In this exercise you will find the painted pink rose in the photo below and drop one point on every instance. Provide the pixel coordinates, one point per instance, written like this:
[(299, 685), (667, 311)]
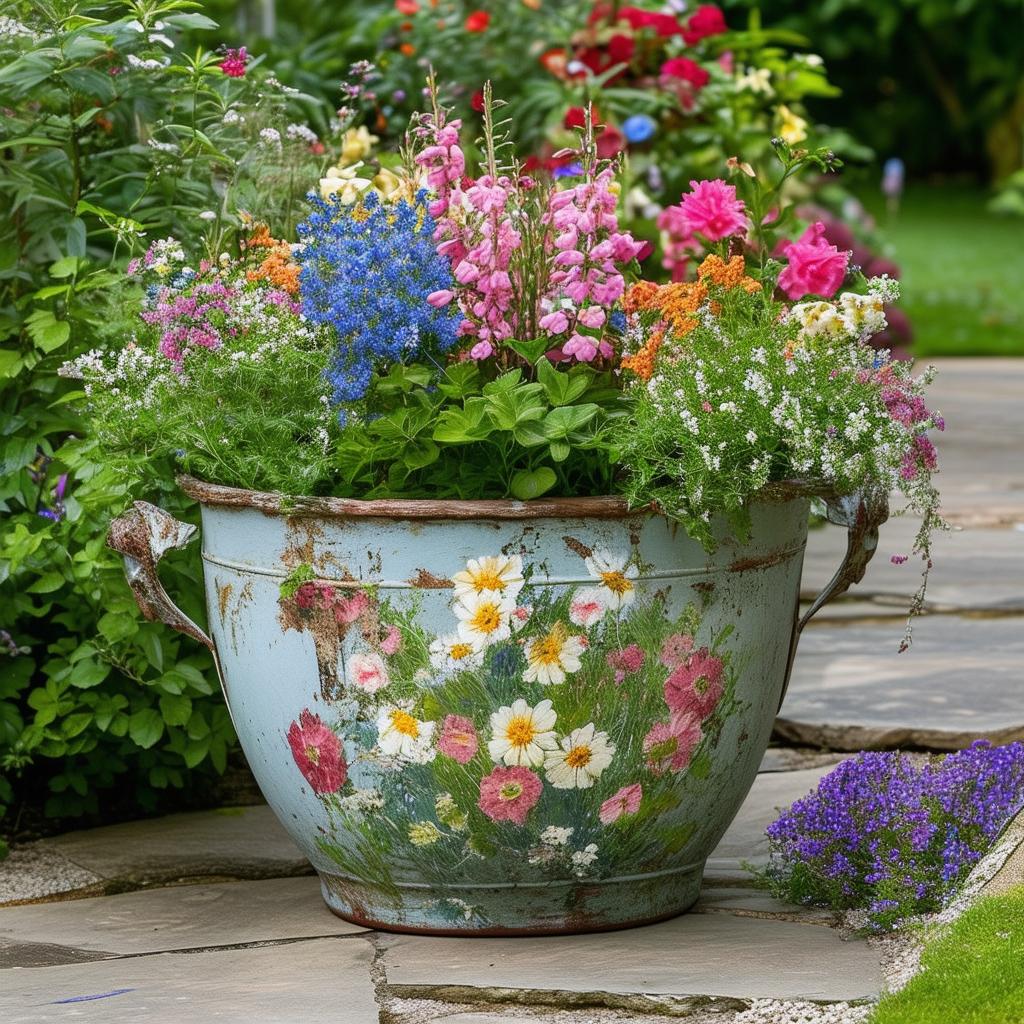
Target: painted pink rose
[(815, 267), (670, 745), (348, 609), (392, 641), (368, 672), (508, 794), (696, 686), (626, 801), (313, 595), (712, 209), (675, 650), (586, 608), (318, 753), (458, 739)]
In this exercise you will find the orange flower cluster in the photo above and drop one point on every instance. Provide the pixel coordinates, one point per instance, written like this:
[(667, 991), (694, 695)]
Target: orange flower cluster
[(277, 265), (677, 305)]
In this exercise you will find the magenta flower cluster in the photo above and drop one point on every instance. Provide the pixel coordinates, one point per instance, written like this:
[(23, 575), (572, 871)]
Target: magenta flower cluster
[(187, 320), (563, 288), (894, 837)]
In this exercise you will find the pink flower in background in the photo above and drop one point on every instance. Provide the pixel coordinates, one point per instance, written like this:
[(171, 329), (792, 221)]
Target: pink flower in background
[(586, 607), (686, 70), (696, 686), (626, 661), (676, 648), (458, 739), (392, 641), (707, 20), (815, 267), (368, 672), (508, 794), (626, 801), (678, 241), (234, 62), (348, 609), (670, 745), (318, 753), (713, 210)]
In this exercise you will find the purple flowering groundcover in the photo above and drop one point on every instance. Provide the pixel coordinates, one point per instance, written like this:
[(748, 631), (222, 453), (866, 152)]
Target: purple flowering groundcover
[(892, 836)]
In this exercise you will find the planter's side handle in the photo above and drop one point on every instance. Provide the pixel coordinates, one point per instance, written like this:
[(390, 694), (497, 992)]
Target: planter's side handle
[(862, 514), (143, 535)]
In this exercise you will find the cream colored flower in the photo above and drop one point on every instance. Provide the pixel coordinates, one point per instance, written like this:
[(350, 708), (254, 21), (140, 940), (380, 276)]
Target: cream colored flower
[(579, 759), (756, 80), (391, 186), (550, 658), (451, 654), (424, 833), (356, 144), (615, 587), (503, 573), (522, 735), (484, 617), (402, 736), (792, 127), (345, 183)]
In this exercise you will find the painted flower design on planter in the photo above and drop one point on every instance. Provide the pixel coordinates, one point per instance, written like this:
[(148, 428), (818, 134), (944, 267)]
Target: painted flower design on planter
[(317, 752), (577, 714)]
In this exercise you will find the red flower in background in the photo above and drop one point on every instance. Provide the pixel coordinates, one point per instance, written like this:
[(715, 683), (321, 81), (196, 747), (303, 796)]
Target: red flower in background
[(707, 20), (664, 24), (620, 48), (477, 101), (477, 21), (317, 752), (233, 64), (407, 6), (575, 117), (687, 71)]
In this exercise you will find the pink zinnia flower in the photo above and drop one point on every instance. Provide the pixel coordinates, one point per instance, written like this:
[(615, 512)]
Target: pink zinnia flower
[(318, 753), (392, 641), (583, 612), (696, 686), (458, 739), (233, 64), (815, 267), (676, 648), (508, 794), (626, 801), (368, 672), (670, 745), (712, 209)]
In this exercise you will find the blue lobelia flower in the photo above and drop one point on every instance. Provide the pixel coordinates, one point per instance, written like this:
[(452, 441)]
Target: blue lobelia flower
[(639, 128), (367, 270)]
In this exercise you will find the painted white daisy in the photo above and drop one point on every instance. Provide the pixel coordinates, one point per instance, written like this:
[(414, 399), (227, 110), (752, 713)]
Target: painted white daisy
[(615, 587), (451, 654), (579, 758), (404, 737), (521, 735), (484, 617), (550, 658), (582, 859), (503, 573)]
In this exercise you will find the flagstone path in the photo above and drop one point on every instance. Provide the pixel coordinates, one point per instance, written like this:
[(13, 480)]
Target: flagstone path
[(214, 916)]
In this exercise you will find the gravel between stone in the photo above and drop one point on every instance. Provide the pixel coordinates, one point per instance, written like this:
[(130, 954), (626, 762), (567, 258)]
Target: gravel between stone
[(38, 870)]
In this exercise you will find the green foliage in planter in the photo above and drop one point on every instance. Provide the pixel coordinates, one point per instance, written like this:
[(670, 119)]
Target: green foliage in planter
[(109, 137)]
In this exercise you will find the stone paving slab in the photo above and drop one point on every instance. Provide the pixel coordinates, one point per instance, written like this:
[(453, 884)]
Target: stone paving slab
[(694, 955), (976, 568), (321, 981), (180, 917), (961, 680), (230, 842), (39, 871)]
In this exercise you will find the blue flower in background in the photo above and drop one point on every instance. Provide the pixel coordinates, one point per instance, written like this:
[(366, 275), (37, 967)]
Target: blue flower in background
[(367, 271), (617, 321), (639, 128), (573, 170)]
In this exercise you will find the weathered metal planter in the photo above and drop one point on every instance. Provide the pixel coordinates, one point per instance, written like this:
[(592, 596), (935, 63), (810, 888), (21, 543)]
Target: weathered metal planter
[(496, 717)]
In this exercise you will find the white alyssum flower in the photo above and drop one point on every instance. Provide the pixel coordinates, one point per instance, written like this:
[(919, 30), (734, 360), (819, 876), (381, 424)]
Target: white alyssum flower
[(554, 835), (582, 859)]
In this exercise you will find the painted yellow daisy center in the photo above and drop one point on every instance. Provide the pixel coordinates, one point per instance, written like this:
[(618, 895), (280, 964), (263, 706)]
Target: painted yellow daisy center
[(548, 650), (579, 757), (313, 754), (403, 722), (487, 579), (520, 731), (616, 582), (460, 651), (486, 618)]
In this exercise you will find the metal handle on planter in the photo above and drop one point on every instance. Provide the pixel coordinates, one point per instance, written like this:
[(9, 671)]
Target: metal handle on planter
[(143, 535), (862, 514)]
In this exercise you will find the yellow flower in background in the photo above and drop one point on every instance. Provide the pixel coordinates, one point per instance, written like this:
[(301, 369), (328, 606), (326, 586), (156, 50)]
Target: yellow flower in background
[(389, 185), (356, 145), (792, 127), (344, 182)]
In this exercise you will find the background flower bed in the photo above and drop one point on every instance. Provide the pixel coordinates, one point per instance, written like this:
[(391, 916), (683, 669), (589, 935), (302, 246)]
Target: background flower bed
[(91, 695)]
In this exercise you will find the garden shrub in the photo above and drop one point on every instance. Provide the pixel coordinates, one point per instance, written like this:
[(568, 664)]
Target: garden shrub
[(894, 836)]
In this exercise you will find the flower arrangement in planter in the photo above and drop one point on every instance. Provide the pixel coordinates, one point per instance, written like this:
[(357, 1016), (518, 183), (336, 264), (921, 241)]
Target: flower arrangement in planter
[(531, 701)]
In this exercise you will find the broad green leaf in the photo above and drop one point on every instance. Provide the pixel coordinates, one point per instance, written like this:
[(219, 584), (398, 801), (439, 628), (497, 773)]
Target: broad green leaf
[(529, 484), (64, 267), (88, 673), (561, 422), (47, 583), (175, 708), (562, 386), (145, 727), (531, 350), (74, 724)]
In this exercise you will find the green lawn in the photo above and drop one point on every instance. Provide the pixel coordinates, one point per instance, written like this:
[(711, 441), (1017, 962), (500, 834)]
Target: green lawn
[(973, 973), (963, 271)]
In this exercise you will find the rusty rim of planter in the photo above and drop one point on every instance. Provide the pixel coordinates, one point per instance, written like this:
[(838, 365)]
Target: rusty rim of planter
[(598, 507)]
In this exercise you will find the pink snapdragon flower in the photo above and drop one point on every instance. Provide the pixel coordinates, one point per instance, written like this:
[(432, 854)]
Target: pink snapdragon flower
[(815, 267), (626, 801), (678, 241), (712, 209)]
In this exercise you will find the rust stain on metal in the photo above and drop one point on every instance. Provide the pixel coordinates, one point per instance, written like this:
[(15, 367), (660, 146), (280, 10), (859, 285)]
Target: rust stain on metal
[(223, 596), (426, 580), (578, 547), (761, 561)]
